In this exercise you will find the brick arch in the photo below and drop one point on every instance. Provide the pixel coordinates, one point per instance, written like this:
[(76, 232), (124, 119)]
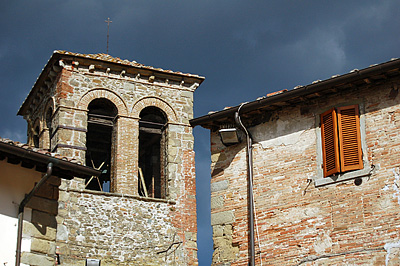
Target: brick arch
[(153, 101), (103, 93)]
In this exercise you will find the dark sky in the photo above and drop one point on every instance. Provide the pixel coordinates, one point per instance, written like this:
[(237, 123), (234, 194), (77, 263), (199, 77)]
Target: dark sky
[(245, 49)]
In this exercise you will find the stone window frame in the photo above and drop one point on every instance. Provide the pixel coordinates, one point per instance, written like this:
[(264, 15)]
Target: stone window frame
[(319, 179)]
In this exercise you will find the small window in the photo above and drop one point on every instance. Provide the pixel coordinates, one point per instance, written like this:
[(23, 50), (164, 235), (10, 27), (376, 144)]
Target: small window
[(341, 141), (341, 144)]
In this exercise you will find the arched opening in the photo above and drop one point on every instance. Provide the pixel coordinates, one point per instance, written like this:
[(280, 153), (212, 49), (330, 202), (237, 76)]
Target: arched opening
[(152, 153), (101, 118), (49, 115), (36, 137)]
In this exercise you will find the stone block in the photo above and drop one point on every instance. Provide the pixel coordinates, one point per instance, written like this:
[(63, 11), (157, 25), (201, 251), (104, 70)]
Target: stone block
[(43, 246), (220, 185), (42, 232), (63, 196), (218, 231), (225, 217), (46, 191), (36, 259), (43, 219), (42, 204), (217, 202)]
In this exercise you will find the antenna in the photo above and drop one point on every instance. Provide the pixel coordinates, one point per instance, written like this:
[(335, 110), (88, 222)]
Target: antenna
[(108, 30)]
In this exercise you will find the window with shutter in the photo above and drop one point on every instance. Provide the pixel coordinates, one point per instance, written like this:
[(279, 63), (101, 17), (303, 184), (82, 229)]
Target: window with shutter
[(341, 142), (349, 138), (330, 147)]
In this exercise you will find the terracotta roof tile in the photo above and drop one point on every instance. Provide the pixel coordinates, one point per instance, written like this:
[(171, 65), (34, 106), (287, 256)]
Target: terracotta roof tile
[(109, 58), (37, 150)]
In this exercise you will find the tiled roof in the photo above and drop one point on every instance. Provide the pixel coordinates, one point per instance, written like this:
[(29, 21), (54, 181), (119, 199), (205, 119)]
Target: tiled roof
[(37, 150), (109, 58), (367, 75)]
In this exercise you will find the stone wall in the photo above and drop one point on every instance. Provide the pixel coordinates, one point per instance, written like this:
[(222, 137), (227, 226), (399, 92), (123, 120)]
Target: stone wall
[(121, 229), (80, 81), (349, 222), (39, 234)]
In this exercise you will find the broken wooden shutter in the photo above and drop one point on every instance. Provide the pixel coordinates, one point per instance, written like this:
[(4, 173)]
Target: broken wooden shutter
[(349, 138), (330, 147)]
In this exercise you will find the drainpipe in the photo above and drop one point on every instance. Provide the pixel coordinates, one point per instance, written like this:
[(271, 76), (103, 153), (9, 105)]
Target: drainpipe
[(250, 183), (22, 205)]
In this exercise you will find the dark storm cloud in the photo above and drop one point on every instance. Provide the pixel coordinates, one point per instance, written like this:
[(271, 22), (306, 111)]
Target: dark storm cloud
[(245, 49)]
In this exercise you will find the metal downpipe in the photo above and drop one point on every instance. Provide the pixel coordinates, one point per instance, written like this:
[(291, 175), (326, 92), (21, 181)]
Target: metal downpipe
[(22, 205), (250, 184)]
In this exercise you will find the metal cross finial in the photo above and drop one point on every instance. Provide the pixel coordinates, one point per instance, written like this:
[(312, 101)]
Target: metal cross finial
[(108, 29)]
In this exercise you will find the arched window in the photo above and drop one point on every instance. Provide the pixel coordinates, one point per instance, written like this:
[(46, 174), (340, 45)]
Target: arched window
[(36, 137), (49, 115), (101, 116), (152, 155)]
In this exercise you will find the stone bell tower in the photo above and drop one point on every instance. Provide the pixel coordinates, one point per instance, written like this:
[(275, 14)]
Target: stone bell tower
[(129, 120)]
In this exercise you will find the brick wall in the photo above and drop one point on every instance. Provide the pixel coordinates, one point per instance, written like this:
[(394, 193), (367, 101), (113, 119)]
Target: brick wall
[(153, 224), (349, 222)]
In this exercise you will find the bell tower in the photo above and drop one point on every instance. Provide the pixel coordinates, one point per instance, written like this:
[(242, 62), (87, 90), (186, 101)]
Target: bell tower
[(129, 120)]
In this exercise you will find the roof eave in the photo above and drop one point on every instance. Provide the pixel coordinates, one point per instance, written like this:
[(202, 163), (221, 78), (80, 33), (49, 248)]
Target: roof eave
[(302, 91), (58, 55), (63, 165)]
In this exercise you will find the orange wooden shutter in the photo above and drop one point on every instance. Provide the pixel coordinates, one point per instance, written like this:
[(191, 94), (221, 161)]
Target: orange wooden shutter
[(330, 148), (349, 138)]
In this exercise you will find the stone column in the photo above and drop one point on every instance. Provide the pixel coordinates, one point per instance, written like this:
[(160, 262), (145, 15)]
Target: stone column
[(70, 127)]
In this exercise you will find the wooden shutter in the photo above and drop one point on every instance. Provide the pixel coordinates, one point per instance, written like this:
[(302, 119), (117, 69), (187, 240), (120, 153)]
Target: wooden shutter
[(349, 138), (330, 147)]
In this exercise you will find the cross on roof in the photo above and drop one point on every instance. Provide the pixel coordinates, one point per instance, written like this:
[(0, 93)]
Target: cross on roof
[(108, 29)]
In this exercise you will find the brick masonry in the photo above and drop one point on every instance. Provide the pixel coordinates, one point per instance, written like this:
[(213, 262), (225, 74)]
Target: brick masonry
[(300, 224), (120, 228)]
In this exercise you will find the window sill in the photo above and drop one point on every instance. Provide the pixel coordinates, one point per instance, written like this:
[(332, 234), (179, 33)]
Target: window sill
[(322, 181), (113, 194)]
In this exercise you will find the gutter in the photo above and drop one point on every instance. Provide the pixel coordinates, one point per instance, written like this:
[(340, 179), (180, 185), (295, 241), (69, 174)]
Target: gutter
[(75, 169), (22, 205), (308, 89)]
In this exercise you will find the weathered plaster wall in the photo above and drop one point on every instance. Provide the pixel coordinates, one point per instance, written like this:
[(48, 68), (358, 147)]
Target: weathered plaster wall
[(15, 181), (39, 225), (300, 224)]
